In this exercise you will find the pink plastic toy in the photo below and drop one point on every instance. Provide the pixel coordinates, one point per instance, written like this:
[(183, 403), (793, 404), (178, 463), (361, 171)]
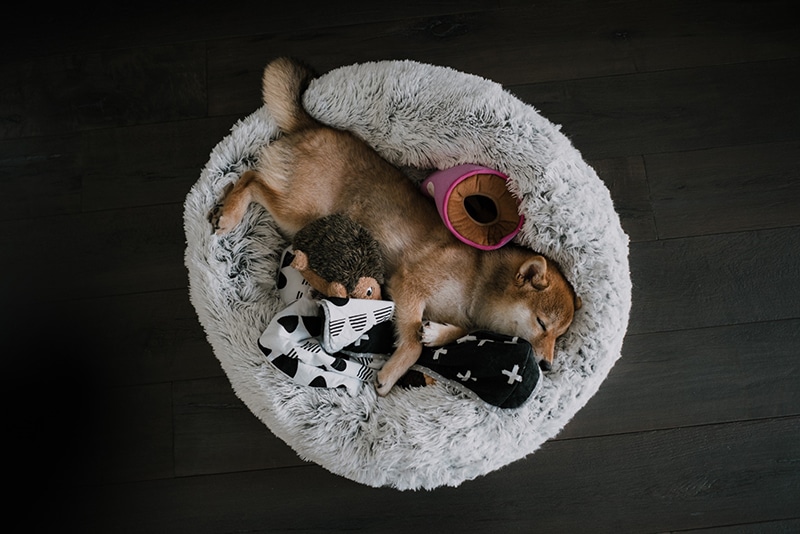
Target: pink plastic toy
[(475, 205)]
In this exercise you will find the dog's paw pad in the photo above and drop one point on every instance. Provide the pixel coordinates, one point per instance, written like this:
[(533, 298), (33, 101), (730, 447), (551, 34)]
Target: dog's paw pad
[(217, 218), (381, 389), (382, 386), (422, 331), (214, 216), (431, 334), (219, 222)]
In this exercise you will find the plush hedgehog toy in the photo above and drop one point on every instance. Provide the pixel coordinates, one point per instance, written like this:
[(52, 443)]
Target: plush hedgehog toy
[(339, 258)]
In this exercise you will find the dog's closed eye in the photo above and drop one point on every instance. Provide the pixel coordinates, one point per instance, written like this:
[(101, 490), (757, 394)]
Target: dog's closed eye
[(541, 323)]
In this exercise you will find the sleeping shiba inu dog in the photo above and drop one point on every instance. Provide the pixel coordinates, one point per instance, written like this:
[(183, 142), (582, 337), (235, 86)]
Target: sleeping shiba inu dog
[(441, 287)]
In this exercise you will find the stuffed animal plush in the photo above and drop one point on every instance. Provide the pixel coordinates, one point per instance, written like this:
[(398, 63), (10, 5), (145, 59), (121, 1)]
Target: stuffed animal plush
[(339, 258)]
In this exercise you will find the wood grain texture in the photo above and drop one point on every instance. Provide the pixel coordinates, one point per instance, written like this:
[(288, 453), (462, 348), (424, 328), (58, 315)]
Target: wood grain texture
[(627, 181), (761, 185), (672, 111), (67, 93), (104, 169), (696, 377), (98, 253), (567, 486), (715, 280), (216, 433), (148, 337), (69, 30)]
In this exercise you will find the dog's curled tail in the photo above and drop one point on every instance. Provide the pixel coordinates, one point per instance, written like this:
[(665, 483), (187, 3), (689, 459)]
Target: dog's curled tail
[(283, 84)]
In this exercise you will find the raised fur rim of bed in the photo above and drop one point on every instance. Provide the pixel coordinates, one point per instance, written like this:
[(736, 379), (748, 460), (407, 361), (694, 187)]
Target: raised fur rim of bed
[(419, 117)]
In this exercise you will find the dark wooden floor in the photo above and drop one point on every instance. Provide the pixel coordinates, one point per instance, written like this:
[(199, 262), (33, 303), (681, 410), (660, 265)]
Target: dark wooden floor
[(118, 417)]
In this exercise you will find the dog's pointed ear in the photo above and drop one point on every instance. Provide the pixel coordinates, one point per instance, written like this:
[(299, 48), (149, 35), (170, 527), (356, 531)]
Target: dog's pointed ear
[(534, 272)]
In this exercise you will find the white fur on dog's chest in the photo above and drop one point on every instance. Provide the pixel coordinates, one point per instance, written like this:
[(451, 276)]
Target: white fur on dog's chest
[(449, 302)]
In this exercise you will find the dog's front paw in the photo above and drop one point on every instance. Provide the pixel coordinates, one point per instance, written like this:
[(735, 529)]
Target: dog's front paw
[(428, 333), (221, 221), (433, 334), (383, 383)]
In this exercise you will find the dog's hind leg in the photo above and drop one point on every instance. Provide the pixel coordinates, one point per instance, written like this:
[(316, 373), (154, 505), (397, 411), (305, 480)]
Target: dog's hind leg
[(229, 213)]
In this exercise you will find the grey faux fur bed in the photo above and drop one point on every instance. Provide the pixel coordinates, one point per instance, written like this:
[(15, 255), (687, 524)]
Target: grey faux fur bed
[(420, 117)]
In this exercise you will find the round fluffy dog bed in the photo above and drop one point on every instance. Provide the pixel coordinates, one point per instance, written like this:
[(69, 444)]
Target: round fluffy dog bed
[(419, 117)]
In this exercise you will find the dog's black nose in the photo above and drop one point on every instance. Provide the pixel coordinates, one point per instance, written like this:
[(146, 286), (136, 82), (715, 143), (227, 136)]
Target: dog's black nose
[(544, 365)]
